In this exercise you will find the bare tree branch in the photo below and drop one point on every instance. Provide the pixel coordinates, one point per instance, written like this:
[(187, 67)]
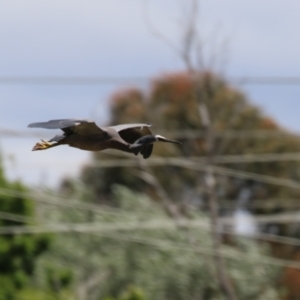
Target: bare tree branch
[(157, 33), (222, 275), (191, 41), (223, 278), (147, 175)]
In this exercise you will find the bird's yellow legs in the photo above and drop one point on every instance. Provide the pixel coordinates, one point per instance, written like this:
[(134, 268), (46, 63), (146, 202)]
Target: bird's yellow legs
[(43, 145)]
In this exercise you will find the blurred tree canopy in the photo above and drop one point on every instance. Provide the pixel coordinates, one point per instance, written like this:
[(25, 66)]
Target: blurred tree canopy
[(171, 106)]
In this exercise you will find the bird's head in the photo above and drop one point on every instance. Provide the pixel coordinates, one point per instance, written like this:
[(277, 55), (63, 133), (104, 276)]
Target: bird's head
[(150, 139)]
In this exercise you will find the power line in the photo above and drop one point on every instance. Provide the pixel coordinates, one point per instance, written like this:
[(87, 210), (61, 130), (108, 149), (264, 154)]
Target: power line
[(266, 203), (238, 174), (266, 80), (281, 218), (183, 163), (108, 80), (163, 161), (60, 201), (15, 217), (189, 164), (150, 224), (157, 161), (184, 133), (231, 253), (154, 224), (41, 197), (103, 229), (250, 158), (70, 80)]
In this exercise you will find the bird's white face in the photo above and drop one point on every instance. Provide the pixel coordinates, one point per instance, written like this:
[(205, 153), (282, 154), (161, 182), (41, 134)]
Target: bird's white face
[(159, 137)]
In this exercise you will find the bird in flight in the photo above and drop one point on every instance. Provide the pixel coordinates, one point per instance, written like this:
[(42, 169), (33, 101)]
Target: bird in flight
[(86, 135)]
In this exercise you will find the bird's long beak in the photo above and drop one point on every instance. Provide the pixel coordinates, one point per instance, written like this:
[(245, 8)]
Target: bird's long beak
[(163, 139)]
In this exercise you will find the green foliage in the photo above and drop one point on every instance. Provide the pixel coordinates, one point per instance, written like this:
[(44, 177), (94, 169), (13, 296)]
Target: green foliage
[(58, 278), (17, 252), (132, 293), (125, 259), (41, 294)]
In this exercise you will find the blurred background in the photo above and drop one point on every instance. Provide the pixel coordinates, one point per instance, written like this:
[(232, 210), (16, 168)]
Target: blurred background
[(218, 217)]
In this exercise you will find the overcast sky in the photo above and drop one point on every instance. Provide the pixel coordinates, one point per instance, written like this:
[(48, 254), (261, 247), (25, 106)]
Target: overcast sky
[(112, 38)]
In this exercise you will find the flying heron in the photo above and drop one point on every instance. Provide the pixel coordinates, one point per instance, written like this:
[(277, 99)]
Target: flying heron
[(86, 135)]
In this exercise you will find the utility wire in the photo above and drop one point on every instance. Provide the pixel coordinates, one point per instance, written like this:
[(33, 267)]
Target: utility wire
[(108, 80), (133, 226), (65, 202), (15, 217), (70, 80), (238, 174), (104, 229), (267, 203), (164, 161), (184, 163), (184, 133), (230, 254)]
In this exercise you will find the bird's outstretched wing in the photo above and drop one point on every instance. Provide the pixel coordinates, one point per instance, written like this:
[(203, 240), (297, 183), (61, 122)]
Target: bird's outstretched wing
[(82, 127), (121, 127), (132, 132)]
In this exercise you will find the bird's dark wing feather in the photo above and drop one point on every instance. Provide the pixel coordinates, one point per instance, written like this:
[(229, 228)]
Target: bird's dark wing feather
[(81, 127), (132, 132), (146, 151)]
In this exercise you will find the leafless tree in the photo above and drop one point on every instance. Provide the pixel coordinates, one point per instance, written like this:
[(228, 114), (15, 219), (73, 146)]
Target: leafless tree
[(191, 52)]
